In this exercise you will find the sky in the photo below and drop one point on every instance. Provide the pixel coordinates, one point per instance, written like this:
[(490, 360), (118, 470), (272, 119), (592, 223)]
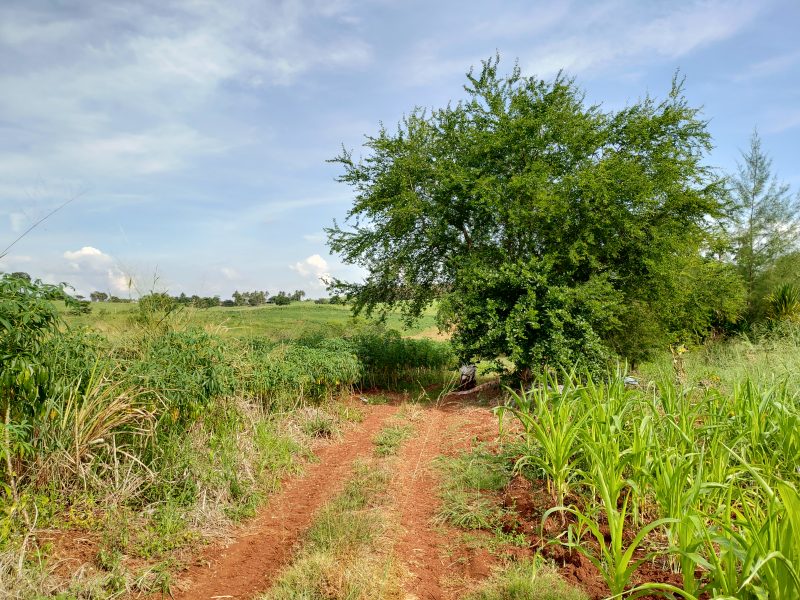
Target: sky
[(192, 136)]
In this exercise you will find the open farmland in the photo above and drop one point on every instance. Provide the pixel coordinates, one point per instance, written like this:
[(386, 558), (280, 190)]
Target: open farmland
[(272, 322), (338, 461), (555, 348)]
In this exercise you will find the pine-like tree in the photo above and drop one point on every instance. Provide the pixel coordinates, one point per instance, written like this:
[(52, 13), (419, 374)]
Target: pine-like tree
[(765, 217)]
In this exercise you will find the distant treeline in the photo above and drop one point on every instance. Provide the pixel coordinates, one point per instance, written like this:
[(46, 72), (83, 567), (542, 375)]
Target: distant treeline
[(253, 298)]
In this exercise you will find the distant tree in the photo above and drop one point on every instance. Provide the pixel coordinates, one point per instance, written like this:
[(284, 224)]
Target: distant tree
[(298, 295), (98, 297), (183, 299), (21, 275), (764, 220), (239, 299), (228, 303), (256, 298), (205, 301), (281, 299), (81, 307)]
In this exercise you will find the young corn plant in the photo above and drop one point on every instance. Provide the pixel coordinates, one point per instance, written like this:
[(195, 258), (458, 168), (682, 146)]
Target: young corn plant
[(612, 557), (753, 552), (676, 481), (552, 423)]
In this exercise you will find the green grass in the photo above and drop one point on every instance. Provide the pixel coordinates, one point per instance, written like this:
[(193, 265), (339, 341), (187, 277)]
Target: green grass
[(774, 357), (465, 479), (269, 321), (344, 554), (526, 581), (389, 439)]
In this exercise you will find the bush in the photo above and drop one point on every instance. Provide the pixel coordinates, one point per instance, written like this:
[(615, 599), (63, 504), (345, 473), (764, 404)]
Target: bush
[(295, 371), (184, 371), (27, 319), (389, 359)]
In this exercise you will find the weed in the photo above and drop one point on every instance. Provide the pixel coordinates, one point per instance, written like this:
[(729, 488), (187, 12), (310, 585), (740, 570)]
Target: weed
[(389, 439), (528, 580), (318, 423)]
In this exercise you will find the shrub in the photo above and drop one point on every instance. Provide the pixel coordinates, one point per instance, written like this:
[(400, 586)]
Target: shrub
[(185, 371), (293, 371), (27, 319), (389, 359)]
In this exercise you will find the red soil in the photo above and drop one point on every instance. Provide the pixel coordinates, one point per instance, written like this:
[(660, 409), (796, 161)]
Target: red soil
[(250, 564), (440, 565), (529, 501)]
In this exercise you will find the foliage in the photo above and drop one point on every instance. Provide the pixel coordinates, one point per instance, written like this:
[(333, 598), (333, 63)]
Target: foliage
[(184, 370), (295, 372), (552, 422), (281, 299), (155, 310), (711, 469), (540, 220), (764, 223), (389, 359), (784, 303), (27, 319), (254, 298)]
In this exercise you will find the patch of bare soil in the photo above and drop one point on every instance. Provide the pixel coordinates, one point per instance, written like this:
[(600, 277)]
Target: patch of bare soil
[(68, 551), (249, 564)]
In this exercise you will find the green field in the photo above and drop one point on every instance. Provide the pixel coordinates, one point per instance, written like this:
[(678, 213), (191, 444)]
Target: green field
[(270, 321)]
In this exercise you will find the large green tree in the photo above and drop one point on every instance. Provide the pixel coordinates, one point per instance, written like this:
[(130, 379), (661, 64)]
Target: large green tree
[(552, 231)]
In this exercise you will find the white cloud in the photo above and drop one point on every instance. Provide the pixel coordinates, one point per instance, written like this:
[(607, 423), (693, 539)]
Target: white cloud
[(93, 268), (582, 38), (87, 253), (110, 90), (615, 34), (779, 120), (230, 274), (314, 266), (771, 66)]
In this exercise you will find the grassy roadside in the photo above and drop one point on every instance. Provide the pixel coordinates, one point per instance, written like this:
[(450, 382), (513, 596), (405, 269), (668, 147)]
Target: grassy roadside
[(526, 580), (470, 486), (222, 470)]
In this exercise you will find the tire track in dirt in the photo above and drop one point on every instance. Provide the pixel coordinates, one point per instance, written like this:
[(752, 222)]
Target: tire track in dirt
[(423, 547), (249, 564)]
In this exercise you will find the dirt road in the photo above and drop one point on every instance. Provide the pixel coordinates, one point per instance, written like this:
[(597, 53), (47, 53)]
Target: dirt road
[(435, 566)]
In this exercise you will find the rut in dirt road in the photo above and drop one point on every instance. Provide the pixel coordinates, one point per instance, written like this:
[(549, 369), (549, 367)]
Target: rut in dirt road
[(249, 565), (423, 548)]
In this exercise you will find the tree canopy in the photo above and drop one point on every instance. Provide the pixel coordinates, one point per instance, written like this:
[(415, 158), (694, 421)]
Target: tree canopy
[(551, 231)]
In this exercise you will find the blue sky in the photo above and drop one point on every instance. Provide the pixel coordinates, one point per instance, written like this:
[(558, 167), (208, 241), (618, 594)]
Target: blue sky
[(195, 133)]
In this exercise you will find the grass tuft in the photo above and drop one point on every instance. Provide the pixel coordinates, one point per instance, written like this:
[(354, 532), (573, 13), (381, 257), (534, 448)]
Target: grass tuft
[(526, 581)]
